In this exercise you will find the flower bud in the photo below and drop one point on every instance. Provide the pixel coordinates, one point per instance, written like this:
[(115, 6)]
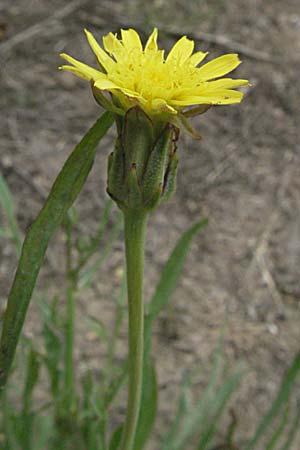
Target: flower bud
[(142, 168)]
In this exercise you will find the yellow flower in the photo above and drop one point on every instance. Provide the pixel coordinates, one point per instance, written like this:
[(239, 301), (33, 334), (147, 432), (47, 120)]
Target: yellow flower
[(160, 86)]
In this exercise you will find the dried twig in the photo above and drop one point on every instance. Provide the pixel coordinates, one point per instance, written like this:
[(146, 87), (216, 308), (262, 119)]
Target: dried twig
[(260, 258), (40, 27)]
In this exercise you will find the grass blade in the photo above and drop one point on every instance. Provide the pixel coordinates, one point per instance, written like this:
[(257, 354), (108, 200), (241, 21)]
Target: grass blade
[(281, 399), (7, 204), (169, 277), (293, 430), (193, 418), (27, 416), (63, 193), (278, 431), (33, 369), (148, 406), (219, 403), (182, 410), (115, 440)]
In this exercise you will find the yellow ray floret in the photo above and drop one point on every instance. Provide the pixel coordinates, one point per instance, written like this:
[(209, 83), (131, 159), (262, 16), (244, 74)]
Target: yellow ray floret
[(137, 75)]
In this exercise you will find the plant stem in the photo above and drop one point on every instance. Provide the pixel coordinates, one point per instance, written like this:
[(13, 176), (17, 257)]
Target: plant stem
[(70, 319), (69, 348), (135, 225)]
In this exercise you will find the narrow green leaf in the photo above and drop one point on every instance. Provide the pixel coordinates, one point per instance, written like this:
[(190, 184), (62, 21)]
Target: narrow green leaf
[(53, 347), (294, 428), (116, 384), (115, 440), (281, 399), (219, 402), (148, 406), (45, 427), (184, 404), (277, 435), (91, 428), (64, 191), (169, 278), (192, 420), (32, 374), (8, 422), (7, 204)]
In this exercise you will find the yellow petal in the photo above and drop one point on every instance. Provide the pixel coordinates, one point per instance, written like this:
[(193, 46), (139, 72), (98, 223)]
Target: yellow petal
[(82, 70), (218, 97), (102, 57), (219, 67), (76, 71), (225, 83), (151, 45), (105, 84), (197, 57), (131, 39), (131, 93), (161, 105), (111, 43), (181, 51)]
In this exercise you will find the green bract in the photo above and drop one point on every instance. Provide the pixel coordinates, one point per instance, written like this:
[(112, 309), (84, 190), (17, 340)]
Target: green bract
[(142, 169)]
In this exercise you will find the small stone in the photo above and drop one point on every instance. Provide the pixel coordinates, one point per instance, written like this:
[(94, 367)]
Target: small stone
[(272, 328)]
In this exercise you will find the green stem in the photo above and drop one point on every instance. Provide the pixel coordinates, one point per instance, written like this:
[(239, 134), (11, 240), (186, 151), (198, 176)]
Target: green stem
[(69, 348), (135, 224), (70, 319)]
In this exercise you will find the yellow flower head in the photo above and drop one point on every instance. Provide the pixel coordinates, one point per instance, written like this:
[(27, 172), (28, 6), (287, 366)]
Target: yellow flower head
[(137, 75)]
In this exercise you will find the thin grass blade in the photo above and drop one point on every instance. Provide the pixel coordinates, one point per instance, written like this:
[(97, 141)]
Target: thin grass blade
[(280, 401), (148, 406), (219, 402), (184, 404), (115, 440), (169, 278), (7, 204), (294, 429), (277, 435), (192, 420), (64, 191)]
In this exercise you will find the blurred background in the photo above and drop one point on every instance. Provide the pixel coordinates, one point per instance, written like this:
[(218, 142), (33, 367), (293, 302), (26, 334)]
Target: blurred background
[(243, 272)]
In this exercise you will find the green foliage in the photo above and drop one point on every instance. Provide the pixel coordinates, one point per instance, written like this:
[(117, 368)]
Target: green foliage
[(148, 406), (294, 427), (116, 438), (200, 419), (27, 423), (65, 190), (7, 204), (279, 406), (169, 278)]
